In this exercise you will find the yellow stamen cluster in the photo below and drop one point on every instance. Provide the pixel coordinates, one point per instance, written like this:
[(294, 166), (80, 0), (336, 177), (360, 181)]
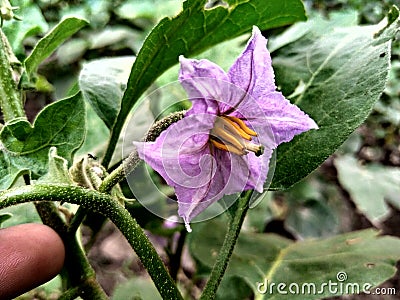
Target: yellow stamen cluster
[(233, 135)]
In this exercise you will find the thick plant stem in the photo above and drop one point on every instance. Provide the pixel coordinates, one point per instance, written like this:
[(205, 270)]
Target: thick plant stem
[(79, 273), (77, 220), (238, 213), (116, 176), (10, 100), (88, 290), (175, 258), (106, 205)]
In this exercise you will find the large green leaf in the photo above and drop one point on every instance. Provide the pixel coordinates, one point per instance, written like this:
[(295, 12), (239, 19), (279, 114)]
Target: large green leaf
[(370, 186), (103, 83), (26, 147), (194, 30), (49, 43), (336, 76), (364, 257)]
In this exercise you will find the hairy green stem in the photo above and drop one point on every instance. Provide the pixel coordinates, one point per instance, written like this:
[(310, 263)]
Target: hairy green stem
[(116, 176), (112, 143), (77, 269), (49, 215), (88, 290), (176, 257), (238, 212), (77, 220), (10, 99), (106, 205)]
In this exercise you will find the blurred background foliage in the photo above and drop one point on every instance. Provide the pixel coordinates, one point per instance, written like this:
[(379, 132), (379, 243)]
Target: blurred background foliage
[(356, 188)]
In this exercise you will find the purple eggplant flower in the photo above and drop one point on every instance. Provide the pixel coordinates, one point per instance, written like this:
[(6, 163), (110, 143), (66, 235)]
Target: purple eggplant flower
[(224, 143)]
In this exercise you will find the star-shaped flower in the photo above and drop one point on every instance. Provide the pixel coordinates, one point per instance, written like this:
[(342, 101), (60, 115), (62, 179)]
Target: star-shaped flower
[(224, 143)]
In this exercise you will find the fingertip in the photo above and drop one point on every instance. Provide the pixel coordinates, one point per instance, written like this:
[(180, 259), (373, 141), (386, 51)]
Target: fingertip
[(30, 255)]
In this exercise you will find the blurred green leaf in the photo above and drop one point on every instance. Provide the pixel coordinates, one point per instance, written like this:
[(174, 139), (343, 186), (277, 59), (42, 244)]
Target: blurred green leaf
[(194, 30), (21, 214), (312, 219), (335, 76), (96, 135), (148, 9), (10, 170), (58, 169), (233, 288), (71, 51), (97, 12), (103, 83), (32, 23), (389, 107), (311, 210), (136, 288), (316, 24), (370, 186), (260, 257), (49, 43), (116, 37), (4, 217), (259, 215), (60, 124)]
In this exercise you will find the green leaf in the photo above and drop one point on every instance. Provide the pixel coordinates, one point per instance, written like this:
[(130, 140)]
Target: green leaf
[(58, 169), (234, 288), (103, 83), (260, 214), (10, 170), (60, 124), (136, 288), (147, 9), (311, 209), (49, 43), (97, 134), (336, 76), (97, 12), (21, 214), (312, 219), (365, 257), (316, 24), (370, 186), (4, 217), (194, 30)]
